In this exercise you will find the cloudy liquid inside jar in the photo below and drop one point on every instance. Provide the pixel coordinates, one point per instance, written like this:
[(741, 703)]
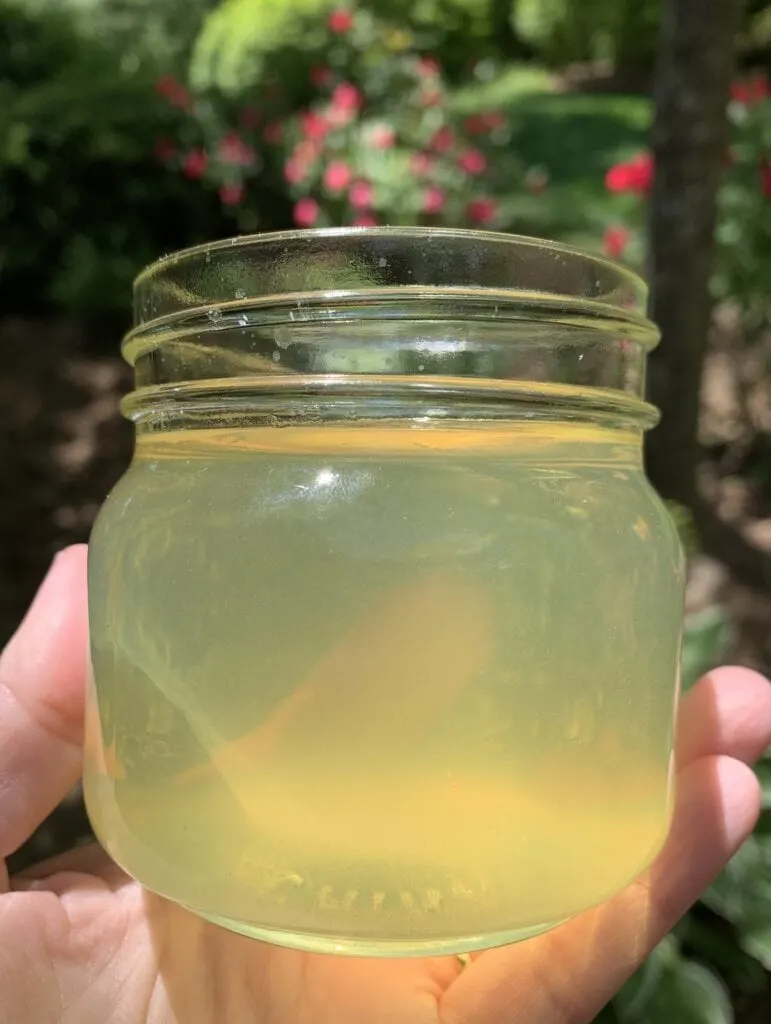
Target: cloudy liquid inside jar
[(384, 688)]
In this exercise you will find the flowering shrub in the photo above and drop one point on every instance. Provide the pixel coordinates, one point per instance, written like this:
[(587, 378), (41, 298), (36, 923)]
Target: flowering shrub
[(372, 140), (743, 235)]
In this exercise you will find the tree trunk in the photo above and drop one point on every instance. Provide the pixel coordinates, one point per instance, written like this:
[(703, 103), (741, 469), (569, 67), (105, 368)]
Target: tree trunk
[(689, 142)]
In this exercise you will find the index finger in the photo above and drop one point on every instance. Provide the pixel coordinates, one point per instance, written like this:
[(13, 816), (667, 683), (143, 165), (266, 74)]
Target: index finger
[(42, 682)]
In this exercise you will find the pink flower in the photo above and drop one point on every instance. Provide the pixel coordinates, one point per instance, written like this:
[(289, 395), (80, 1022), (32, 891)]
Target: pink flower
[(434, 199), (231, 195), (366, 220), (636, 175), (306, 212), (314, 125), (421, 164), (442, 140), (481, 211), (164, 150), (382, 136), (173, 91), (360, 195), (295, 171), (249, 117), (233, 150), (337, 176), (195, 163), (321, 76), (536, 181), (273, 133), (615, 240), (340, 21), (346, 97), (306, 151), (429, 67), (431, 98), (473, 162)]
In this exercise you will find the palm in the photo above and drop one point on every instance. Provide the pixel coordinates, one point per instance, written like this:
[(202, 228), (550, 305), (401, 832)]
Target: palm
[(104, 935), (80, 942)]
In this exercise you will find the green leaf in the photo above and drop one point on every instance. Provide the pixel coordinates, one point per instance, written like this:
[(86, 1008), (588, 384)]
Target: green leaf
[(633, 1000), (688, 993), (707, 635), (763, 772), (756, 940)]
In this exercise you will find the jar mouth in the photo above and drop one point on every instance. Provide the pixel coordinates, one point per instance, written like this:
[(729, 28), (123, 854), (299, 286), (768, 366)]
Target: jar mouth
[(394, 273), (410, 322)]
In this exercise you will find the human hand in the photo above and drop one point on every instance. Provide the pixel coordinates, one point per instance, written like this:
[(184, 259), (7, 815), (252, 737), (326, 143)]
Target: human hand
[(80, 942)]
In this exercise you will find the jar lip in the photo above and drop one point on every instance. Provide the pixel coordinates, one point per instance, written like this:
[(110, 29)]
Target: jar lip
[(388, 232), (330, 263)]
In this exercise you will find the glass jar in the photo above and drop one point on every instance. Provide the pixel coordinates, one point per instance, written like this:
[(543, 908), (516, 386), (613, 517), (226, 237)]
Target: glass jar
[(385, 616)]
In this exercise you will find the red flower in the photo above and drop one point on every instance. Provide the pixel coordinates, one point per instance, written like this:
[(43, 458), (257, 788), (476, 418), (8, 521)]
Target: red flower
[(765, 179), (173, 91), (382, 136), (340, 21), (481, 124), (366, 220), (195, 163), (476, 124), (346, 97), (360, 195), (295, 171), (750, 91), (481, 211), (231, 195), (421, 164), (337, 176), (473, 162), (615, 240), (233, 150), (636, 175), (306, 212), (314, 126), (321, 76), (494, 119), (434, 199), (273, 133), (429, 67), (165, 149), (442, 140), (249, 117)]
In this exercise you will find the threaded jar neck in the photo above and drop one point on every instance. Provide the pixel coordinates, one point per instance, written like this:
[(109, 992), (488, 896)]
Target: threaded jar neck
[(392, 322)]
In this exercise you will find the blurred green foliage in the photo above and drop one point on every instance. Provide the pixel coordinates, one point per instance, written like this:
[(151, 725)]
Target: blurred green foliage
[(99, 174), (241, 39), (83, 200), (621, 32)]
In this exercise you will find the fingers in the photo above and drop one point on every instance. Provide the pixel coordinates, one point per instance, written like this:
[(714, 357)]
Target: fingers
[(727, 712), (42, 680), (566, 976)]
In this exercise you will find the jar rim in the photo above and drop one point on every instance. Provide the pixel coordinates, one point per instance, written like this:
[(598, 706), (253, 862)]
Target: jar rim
[(308, 267)]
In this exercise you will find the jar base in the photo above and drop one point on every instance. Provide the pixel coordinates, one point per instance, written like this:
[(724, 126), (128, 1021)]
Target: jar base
[(334, 945)]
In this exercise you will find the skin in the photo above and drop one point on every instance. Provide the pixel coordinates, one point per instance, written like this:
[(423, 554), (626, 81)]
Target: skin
[(80, 942)]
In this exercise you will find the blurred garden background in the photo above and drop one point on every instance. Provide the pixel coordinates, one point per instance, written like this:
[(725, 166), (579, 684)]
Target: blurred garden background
[(640, 128)]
